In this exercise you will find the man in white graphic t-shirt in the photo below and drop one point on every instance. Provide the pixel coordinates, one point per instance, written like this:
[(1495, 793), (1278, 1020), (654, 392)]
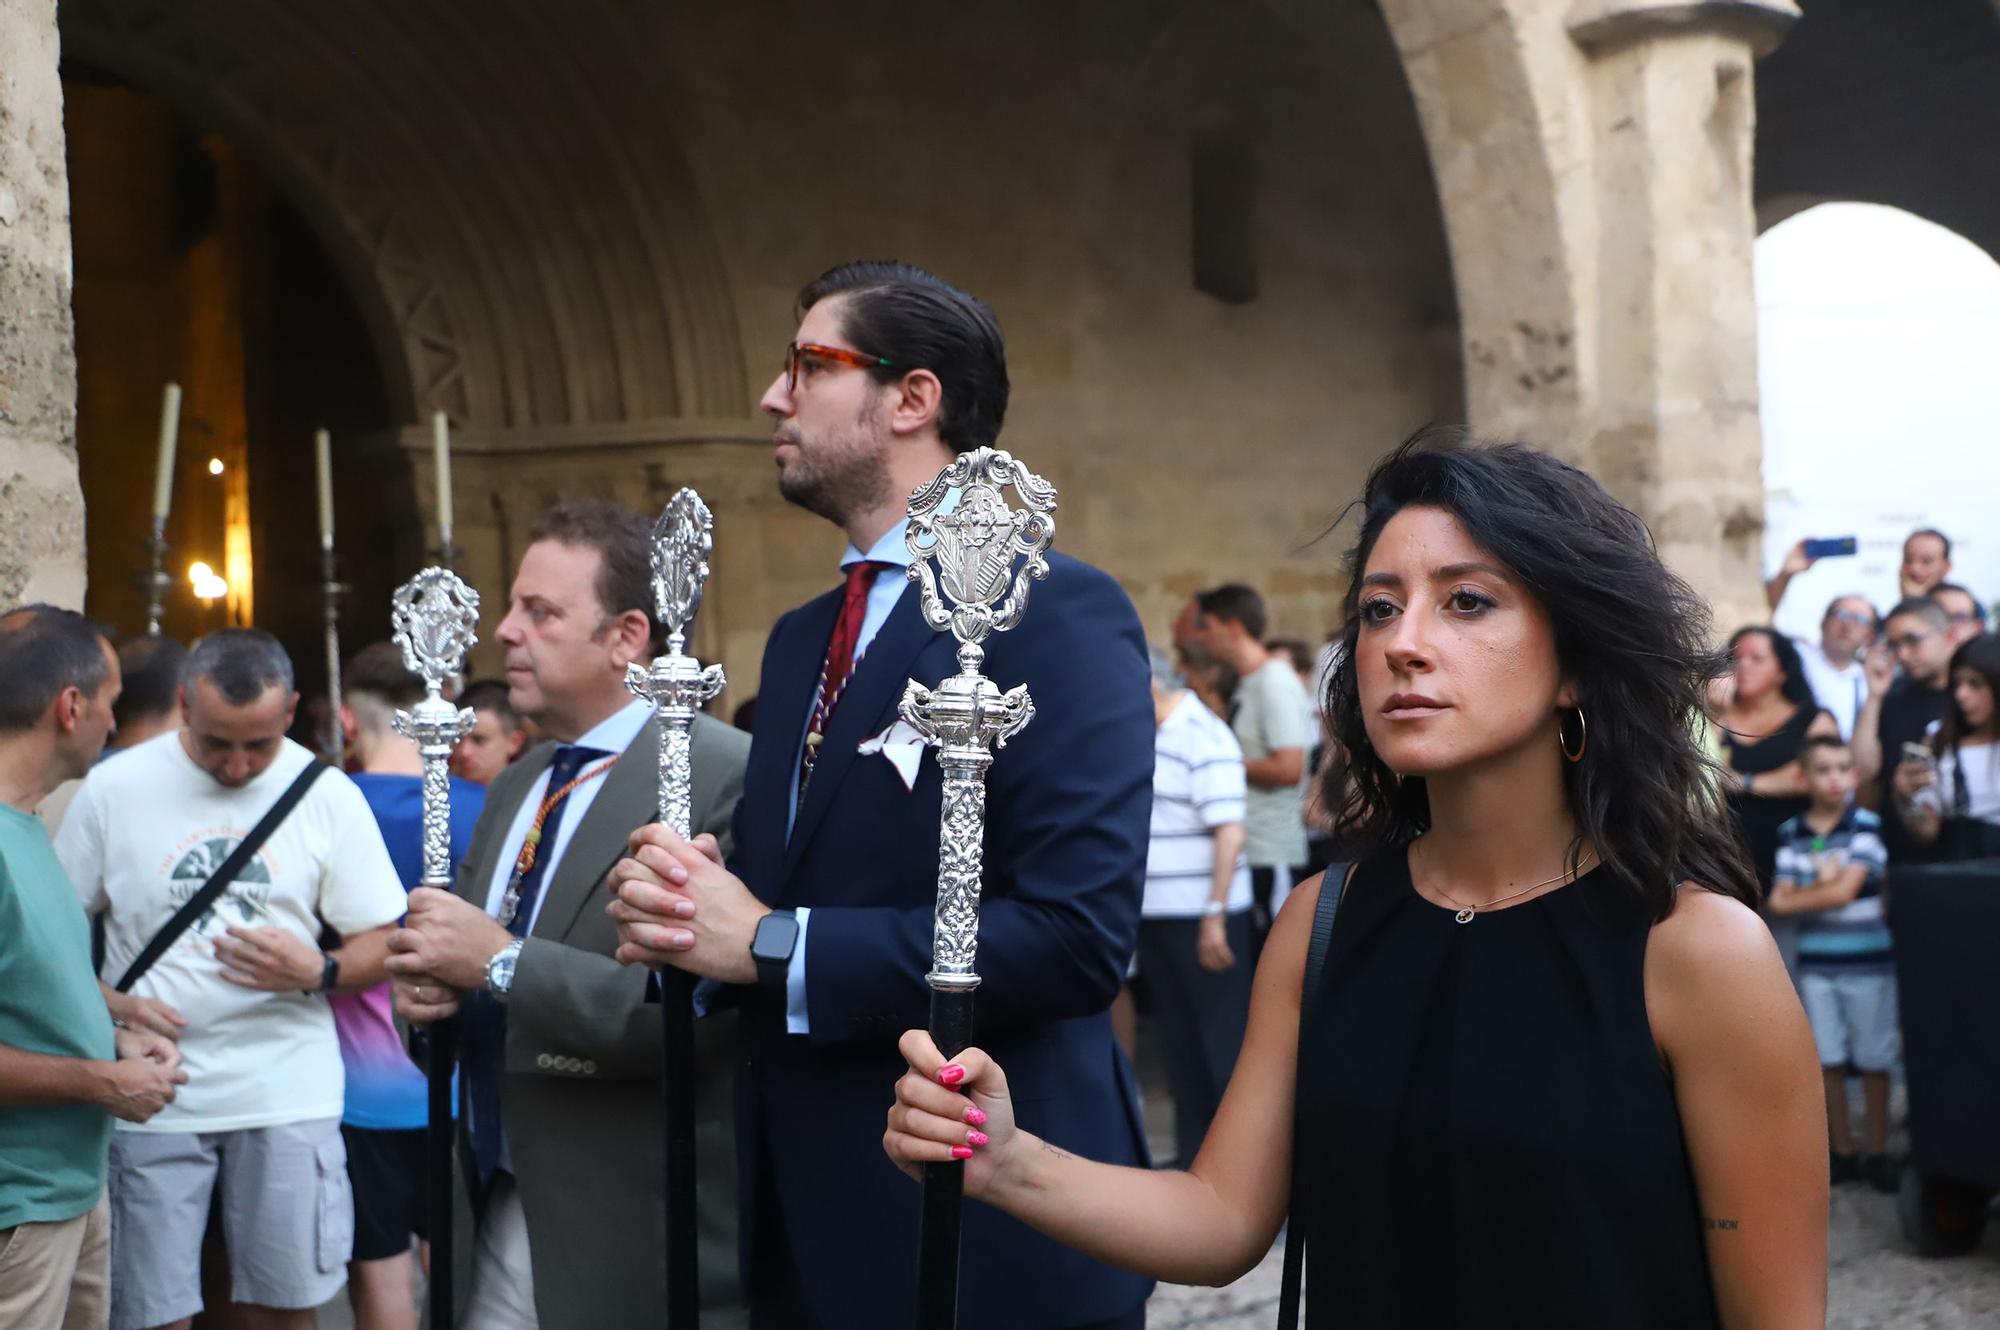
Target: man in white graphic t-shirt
[(258, 1123)]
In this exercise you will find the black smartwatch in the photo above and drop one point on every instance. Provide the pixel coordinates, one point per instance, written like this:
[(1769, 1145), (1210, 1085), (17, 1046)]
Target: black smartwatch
[(330, 976), (771, 946)]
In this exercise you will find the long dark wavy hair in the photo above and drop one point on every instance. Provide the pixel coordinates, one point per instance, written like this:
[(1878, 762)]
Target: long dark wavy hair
[(1796, 688), (1981, 655), (1630, 634)]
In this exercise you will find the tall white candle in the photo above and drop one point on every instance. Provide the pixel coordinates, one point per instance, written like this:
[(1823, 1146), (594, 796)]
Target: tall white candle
[(170, 429), (323, 465), (441, 446)]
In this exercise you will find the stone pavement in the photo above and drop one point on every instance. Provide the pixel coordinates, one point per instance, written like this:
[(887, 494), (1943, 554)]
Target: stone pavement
[(1876, 1282)]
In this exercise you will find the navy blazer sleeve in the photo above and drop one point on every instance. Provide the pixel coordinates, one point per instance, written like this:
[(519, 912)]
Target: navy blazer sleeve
[(1068, 807)]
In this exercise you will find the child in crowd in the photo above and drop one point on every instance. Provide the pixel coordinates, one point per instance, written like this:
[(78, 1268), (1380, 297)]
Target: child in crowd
[(1829, 875)]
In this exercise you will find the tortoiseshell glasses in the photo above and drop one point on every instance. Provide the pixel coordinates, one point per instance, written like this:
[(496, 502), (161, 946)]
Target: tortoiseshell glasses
[(797, 351)]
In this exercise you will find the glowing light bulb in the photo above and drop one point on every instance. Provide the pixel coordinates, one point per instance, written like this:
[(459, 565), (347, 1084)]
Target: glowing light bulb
[(199, 572), (215, 466)]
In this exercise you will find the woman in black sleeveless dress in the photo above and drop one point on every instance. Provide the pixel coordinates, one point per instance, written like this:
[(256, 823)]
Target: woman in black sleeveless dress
[(1553, 1073), (1770, 715)]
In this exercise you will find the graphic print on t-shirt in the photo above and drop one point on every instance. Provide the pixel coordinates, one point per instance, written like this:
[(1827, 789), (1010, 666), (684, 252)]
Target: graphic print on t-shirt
[(243, 902)]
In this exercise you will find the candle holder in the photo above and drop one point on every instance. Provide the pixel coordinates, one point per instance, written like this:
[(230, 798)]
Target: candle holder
[(331, 591), (156, 581)]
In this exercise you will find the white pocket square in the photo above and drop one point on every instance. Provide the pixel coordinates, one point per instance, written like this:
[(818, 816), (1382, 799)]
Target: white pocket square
[(902, 745)]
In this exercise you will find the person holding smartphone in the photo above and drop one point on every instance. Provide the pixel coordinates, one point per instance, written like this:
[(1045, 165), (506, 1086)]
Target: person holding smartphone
[(1902, 711), (1948, 791)]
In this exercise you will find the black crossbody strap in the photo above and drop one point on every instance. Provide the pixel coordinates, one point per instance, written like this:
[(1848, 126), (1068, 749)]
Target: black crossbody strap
[(1331, 888), (197, 904)]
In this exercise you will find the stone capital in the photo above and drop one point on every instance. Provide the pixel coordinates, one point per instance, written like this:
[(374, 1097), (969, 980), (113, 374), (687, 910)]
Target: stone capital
[(1598, 25)]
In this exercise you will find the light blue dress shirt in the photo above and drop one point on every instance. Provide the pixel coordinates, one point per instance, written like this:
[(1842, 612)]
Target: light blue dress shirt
[(882, 597)]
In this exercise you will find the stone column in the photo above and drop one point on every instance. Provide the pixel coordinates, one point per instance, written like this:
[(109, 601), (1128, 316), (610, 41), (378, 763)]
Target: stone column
[(1675, 430), (41, 503)]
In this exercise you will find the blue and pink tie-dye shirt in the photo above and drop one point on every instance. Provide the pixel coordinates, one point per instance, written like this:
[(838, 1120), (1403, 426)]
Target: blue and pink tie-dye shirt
[(385, 1090)]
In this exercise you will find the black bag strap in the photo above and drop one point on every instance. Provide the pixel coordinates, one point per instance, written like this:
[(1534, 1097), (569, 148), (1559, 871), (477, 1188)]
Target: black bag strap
[(197, 904), (1331, 888)]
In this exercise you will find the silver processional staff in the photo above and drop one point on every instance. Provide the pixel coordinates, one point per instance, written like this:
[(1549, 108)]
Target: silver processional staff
[(678, 686), (973, 566), (435, 616)]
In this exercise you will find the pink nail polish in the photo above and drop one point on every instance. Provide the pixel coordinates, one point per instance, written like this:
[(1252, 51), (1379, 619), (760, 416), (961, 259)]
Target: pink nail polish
[(961, 1152), (950, 1074), (977, 1117), (975, 1139)]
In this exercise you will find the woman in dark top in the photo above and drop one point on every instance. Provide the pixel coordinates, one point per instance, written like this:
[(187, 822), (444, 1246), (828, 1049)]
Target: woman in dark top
[(1769, 716), (1554, 1074)]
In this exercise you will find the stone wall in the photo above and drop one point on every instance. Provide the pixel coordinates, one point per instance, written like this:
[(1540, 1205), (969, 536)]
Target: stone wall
[(41, 504), (1045, 164)]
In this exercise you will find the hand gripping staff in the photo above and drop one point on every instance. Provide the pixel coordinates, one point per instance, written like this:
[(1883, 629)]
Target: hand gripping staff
[(435, 615), (972, 566), (677, 686)]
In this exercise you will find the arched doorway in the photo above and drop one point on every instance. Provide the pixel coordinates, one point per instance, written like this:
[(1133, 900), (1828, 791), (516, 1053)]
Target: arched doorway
[(192, 267), (1876, 331)]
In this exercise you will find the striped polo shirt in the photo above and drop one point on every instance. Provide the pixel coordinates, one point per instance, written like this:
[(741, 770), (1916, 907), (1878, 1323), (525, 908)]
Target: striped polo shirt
[(1855, 936), (1197, 786)]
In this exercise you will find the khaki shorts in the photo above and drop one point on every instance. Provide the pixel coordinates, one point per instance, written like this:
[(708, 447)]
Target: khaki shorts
[(52, 1276), (287, 1218)]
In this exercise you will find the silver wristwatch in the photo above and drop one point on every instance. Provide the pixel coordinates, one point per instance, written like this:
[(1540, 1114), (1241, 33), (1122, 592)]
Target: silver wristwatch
[(500, 971)]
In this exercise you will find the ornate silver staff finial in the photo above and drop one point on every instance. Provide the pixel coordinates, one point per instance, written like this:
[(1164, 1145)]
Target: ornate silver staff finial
[(435, 617), (678, 687), (675, 683), (985, 555)]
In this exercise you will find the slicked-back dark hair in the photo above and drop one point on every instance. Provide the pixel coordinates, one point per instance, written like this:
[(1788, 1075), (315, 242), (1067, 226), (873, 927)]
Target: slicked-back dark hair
[(917, 320), (623, 541), (1237, 603), (1796, 688), (151, 669), (242, 663), (43, 650), (1631, 635)]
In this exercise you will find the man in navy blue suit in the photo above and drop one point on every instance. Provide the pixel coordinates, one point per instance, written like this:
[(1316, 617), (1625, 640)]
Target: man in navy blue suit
[(821, 922)]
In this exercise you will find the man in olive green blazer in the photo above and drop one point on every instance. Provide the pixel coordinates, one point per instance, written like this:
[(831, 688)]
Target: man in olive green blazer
[(561, 1138)]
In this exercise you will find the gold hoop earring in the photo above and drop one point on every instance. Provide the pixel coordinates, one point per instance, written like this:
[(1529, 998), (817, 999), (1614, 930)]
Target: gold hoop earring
[(1582, 737)]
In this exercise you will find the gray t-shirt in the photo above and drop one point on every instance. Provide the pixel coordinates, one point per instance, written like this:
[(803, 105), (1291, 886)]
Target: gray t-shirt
[(1271, 710)]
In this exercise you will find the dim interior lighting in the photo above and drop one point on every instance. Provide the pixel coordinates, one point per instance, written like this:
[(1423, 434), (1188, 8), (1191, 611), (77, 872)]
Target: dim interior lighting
[(215, 466), (207, 586)]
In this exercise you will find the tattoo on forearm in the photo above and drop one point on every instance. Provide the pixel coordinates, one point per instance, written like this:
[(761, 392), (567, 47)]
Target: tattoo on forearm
[(1719, 1225), (1050, 1149)]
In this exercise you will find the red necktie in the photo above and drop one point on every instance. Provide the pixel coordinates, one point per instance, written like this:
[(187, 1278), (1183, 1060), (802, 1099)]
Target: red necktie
[(840, 653)]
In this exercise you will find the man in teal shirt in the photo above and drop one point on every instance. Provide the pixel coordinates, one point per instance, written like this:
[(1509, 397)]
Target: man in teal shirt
[(64, 1070)]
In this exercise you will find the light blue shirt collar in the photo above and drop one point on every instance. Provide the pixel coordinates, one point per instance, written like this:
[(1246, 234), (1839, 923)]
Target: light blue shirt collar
[(615, 733), (893, 548)]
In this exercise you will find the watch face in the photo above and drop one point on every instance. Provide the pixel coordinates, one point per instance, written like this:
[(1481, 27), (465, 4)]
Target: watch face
[(776, 935)]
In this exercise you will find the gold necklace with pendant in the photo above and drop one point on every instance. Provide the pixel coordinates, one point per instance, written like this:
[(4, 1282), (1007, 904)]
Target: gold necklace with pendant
[(1467, 912)]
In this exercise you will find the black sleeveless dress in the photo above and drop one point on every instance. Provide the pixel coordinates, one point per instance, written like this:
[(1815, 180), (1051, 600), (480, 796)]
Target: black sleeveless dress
[(1761, 815), (1489, 1137)]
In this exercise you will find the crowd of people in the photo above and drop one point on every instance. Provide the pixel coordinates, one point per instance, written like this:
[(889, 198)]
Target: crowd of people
[(219, 1108), (1869, 748)]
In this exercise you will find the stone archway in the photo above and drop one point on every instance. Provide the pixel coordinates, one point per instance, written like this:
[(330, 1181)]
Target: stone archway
[(1594, 164), (519, 269)]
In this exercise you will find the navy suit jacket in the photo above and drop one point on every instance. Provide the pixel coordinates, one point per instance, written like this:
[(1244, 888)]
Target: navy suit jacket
[(1068, 806)]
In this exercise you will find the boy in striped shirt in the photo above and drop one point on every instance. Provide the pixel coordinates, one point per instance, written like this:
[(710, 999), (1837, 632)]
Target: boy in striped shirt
[(1829, 875)]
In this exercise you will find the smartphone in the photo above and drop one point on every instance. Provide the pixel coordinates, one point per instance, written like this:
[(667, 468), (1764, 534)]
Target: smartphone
[(1920, 754), (1831, 547)]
